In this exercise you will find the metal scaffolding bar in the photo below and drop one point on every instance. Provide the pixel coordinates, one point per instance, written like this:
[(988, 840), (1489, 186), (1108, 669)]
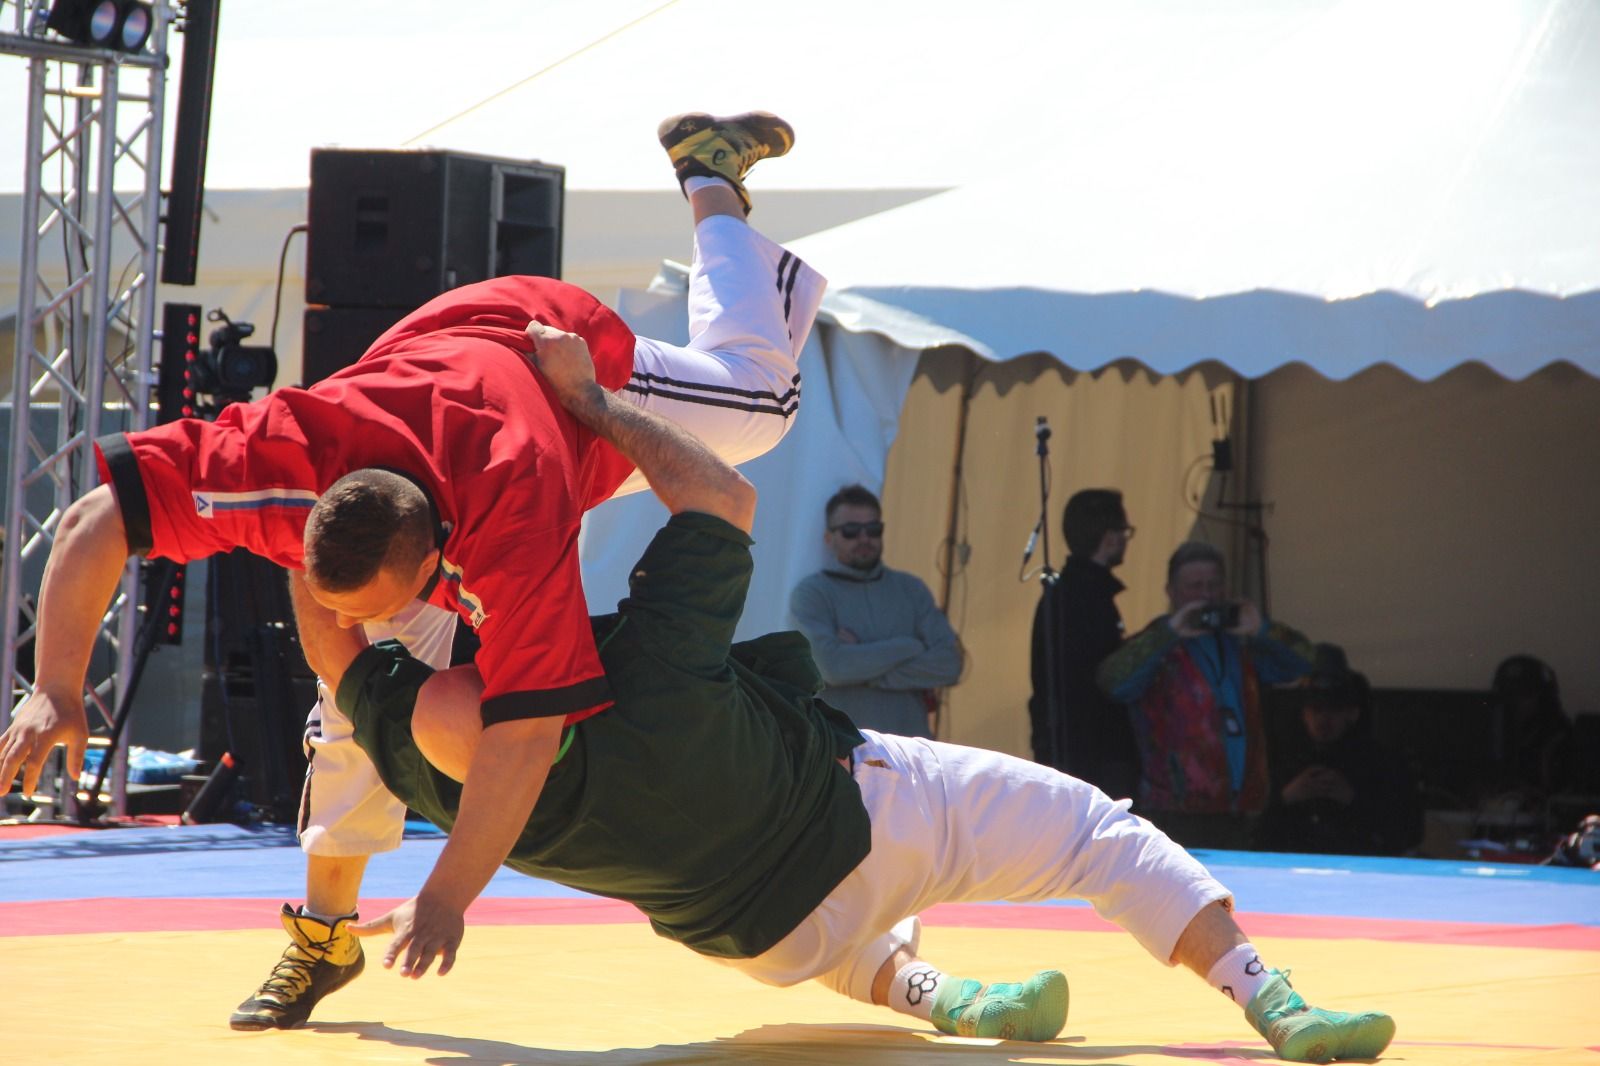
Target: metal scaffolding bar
[(85, 322)]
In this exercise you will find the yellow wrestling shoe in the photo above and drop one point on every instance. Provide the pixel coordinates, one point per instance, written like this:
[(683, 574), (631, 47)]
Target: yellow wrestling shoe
[(321, 958), (709, 146)]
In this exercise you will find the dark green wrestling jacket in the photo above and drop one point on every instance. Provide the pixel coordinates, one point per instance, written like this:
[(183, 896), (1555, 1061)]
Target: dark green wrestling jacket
[(709, 795)]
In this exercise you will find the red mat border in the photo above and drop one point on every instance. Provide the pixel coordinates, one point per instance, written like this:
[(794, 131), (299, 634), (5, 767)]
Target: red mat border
[(117, 915)]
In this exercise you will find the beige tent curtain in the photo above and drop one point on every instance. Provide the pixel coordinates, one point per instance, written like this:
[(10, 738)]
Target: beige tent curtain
[(1434, 528), (1431, 528), (1122, 427)]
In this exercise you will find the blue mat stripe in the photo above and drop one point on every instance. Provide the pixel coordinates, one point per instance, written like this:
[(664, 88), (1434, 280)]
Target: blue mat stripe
[(226, 861)]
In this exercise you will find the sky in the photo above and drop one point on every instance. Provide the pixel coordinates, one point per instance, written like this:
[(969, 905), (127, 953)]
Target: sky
[(583, 82), (295, 73), (1352, 124)]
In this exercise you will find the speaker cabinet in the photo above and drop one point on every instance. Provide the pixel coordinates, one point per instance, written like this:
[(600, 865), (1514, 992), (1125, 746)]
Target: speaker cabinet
[(335, 337), (395, 228)]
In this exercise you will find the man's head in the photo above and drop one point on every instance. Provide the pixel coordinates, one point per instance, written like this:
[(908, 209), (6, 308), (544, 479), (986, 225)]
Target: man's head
[(369, 546), (1336, 698), (1195, 574), (1526, 687), (1096, 526), (854, 531)]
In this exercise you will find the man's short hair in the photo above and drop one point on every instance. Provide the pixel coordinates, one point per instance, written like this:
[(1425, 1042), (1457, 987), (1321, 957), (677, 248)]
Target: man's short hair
[(852, 496), (1193, 551), (367, 521), (1089, 516)]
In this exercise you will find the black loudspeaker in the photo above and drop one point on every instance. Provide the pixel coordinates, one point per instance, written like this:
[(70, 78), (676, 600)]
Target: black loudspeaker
[(257, 687), (192, 135), (335, 337), (395, 229)]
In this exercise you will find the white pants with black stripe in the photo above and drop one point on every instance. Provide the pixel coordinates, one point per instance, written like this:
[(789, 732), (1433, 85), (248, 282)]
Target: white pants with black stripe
[(954, 824), (735, 385)]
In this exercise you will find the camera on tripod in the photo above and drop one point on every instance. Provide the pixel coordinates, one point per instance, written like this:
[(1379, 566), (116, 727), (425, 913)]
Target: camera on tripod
[(230, 369)]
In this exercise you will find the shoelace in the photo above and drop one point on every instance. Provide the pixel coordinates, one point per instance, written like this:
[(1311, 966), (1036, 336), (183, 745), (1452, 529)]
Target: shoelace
[(751, 151), (292, 975)]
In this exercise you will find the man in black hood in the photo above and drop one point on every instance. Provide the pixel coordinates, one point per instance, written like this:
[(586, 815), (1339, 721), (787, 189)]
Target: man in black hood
[(1345, 794)]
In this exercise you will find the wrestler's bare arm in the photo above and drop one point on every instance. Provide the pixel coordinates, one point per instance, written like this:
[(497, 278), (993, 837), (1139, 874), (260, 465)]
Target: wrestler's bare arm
[(86, 564), (329, 647), (682, 471)]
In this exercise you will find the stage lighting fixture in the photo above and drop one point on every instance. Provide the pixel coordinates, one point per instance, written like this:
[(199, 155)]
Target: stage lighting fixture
[(133, 28), (123, 25)]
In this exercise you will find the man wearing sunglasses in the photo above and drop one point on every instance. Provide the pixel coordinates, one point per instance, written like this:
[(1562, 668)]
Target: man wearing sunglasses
[(883, 646)]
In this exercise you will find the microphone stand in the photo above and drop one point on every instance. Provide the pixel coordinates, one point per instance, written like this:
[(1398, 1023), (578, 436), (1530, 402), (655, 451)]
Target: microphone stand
[(1054, 747)]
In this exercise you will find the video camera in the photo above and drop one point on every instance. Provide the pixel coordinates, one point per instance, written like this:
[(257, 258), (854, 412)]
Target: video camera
[(231, 369)]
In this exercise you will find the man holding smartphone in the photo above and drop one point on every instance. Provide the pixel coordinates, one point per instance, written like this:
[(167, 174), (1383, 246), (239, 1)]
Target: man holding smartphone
[(1191, 681)]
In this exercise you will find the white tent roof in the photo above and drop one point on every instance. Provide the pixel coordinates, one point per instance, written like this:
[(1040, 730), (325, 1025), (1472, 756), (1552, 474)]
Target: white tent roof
[(876, 89), (1354, 183), (1337, 182)]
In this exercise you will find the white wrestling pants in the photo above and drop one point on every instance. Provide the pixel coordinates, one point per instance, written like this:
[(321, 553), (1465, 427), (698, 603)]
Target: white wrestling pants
[(952, 824), (736, 386)]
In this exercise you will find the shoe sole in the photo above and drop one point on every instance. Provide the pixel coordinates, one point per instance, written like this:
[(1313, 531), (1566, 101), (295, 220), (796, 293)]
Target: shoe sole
[(250, 1023), (770, 130), (1331, 1042)]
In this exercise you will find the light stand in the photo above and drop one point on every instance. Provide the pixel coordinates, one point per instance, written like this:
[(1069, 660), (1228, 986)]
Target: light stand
[(1048, 581), (1251, 511)]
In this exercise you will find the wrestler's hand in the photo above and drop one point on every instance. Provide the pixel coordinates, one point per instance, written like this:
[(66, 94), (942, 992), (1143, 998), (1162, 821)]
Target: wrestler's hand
[(40, 723), (423, 929), (563, 358)]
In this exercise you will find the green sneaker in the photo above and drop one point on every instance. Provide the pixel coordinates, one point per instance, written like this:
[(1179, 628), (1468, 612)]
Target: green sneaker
[(1301, 1033), (320, 959), (708, 146), (1036, 1009)]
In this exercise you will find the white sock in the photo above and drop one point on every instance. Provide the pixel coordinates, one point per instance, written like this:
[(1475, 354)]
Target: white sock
[(913, 988), (1239, 974), (307, 912), (692, 185)]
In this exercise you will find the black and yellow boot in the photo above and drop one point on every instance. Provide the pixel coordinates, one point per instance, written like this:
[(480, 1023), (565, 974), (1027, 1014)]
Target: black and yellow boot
[(321, 958), (709, 146)]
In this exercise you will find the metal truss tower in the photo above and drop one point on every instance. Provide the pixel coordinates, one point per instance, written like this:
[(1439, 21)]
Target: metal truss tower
[(85, 322)]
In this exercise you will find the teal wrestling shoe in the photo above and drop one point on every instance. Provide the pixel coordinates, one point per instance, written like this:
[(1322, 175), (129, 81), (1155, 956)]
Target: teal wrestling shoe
[(1036, 1009), (1302, 1033)]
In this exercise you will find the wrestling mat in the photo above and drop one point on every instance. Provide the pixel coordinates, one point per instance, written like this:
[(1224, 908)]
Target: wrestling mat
[(133, 946)]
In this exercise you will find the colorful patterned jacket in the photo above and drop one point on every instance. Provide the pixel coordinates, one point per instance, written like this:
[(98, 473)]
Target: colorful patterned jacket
[(1181, 723)]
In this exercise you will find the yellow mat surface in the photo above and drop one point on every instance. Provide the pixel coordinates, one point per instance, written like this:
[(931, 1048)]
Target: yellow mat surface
[(603, 994)]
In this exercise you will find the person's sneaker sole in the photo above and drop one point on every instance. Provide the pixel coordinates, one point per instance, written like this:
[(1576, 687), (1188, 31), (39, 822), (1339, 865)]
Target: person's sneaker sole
[(767, 128), (1326, 1039)]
